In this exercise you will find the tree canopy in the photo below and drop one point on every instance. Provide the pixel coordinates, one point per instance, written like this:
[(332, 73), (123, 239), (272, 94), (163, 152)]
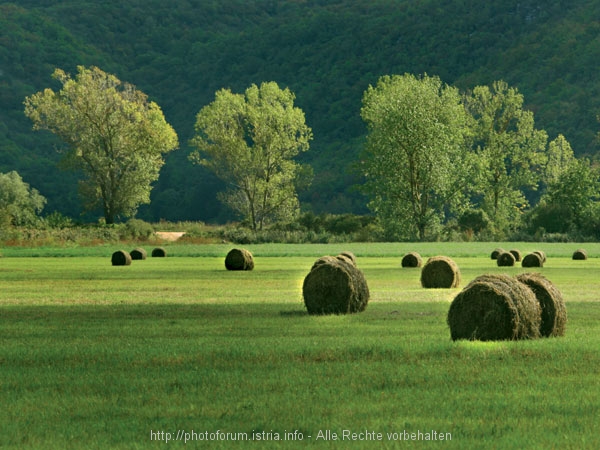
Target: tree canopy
[(113, 133), (249, 141), (20, 204)]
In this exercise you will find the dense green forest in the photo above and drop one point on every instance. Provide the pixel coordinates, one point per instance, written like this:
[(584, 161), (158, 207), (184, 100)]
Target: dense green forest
[(326, 51)]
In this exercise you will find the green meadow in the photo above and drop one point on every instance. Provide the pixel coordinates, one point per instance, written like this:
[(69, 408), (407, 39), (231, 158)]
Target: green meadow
[(177, 352)]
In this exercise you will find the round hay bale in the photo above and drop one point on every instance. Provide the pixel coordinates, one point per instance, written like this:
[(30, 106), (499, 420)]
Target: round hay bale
[(412, 259), (440, 272), (239, 259), (335, 287), (517, 254), (532, 260), (159, 252), (552, 304), (138, 254), (494, 307), (580, 254), (496, 252), (506, 259), (348, 256), (121, 258), (542, 255), (323, 260)]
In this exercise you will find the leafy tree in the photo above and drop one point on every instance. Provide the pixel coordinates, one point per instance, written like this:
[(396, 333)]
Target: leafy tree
[(560, 157), (20, 204), (115, 136), (510, 151), (415, 160), (249, 141)]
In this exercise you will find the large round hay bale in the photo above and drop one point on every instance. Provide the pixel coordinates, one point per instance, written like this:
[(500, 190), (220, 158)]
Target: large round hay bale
[(323, 260), (506, 259), (580, 254), (440, 272), (138, 254), (517, 254), (335, 287), (532, 260), (239, 259), (121, 258), (542, 255), (552, 304), (347, 256), (494, 307), (412, 259), (496, 252), (159, 252)]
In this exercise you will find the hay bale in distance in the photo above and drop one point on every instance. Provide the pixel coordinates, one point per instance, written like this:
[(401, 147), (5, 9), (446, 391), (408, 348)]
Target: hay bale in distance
[(349, 255), (121, 258), (138, 254), (494, 307), (239, 259), (552, 304), (496, 252), (532, 260), (517, 254), (580, 255), (506, 259), (542, 255), (412, 259), (440, 272), (335, 286), (159, 252)]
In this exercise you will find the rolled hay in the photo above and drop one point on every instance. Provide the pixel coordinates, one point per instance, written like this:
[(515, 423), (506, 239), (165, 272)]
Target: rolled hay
[(506, 259), (496, 252), (323, 260), (412, 259), (542, 255), (239, 259), (552, 304), (517, 254), (440, 272), (349, 256), (159, 252), (532, 260), (138, 254), (121, 258), (494, 307), (335, 286), (580, 254)]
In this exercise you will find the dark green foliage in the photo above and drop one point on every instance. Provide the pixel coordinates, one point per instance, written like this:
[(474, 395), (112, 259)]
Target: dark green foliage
[(552, 304), (494, 307), (335, 286), (440, 272), (475, 220), (239, 259), (121, 258)]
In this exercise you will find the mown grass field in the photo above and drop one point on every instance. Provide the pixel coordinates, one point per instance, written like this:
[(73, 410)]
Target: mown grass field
[(95, 356)]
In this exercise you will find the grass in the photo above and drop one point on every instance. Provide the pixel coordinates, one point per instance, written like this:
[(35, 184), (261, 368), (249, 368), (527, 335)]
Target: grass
[(95, 356)]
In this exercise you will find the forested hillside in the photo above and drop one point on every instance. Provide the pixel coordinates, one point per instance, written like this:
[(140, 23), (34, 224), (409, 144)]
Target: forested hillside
[(326, 51)]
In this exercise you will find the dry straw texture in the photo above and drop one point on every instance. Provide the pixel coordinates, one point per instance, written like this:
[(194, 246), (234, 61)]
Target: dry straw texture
[(542, 255), (517, 254), (496, 252), (335, 286), (494, 307), (440, 272), (580, 254), (159, 252), (552, 304), (239, 259), (532, 260), (506, 259), (349, 256), (138, 254), (412, 259), (121, 258)]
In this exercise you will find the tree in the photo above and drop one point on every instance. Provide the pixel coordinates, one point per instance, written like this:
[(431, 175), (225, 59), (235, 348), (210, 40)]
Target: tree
[(560, 158), (415, 161), (249, 141), (20, 204), (114, 134), (510, 151)]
